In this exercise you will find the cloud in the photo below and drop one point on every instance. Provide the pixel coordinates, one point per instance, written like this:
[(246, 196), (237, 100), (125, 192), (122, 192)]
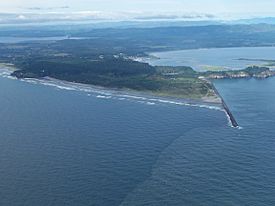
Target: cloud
[(21, 17), (49, 16), (46, 8), (177, 17)]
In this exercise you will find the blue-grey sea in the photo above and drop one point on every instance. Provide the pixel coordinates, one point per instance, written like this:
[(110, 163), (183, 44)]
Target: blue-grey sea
[(217, 58), (60, 146)]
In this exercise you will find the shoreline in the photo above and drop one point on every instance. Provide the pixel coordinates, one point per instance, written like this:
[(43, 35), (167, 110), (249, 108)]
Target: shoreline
[(204, 48), (105, 92), (231, 117), (8, 66), (211, 102), (151, 56), (136, 94)]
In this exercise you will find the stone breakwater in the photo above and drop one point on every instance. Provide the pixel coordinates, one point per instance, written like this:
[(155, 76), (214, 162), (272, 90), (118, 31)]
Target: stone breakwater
[(232, 119)]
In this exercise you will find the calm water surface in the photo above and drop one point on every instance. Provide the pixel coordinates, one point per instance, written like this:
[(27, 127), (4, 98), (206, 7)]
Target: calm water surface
[(60, 147), (220, 58)]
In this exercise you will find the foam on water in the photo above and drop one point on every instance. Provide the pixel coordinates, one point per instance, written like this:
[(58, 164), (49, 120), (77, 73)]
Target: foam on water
[(6, 73), (103, 93), (103, 97)]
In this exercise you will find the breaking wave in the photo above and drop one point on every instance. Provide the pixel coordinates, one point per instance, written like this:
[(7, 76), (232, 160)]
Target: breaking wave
[(103, 93)]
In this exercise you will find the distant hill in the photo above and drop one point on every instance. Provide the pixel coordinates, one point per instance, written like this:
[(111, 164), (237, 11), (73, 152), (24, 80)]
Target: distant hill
[(266, 20)]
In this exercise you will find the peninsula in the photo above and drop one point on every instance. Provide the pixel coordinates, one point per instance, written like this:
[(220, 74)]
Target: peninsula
[(121, 73), (102, 57)]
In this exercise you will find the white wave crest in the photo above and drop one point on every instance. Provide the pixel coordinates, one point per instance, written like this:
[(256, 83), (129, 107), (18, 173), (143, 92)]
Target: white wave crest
[(103, 93), (103, 97)]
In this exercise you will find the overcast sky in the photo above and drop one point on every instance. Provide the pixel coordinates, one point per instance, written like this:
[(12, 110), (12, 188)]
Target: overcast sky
[(206, 6), (219, 8)]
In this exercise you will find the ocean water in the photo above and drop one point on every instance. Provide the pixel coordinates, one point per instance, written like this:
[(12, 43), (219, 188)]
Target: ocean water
[(219, 58), (217, 165), (62, 146)]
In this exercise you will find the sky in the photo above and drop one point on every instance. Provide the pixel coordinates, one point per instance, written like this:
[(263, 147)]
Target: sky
[(206, 6), (119, 8)]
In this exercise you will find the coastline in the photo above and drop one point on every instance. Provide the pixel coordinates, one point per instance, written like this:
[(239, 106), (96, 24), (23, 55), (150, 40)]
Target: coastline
[(212, 102), (133, 94), (151, 53), (152, 58), (8, 66), (231, 117), (106, 93)]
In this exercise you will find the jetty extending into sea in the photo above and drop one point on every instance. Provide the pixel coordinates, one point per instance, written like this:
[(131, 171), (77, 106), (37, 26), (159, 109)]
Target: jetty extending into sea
[(226, 108)]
